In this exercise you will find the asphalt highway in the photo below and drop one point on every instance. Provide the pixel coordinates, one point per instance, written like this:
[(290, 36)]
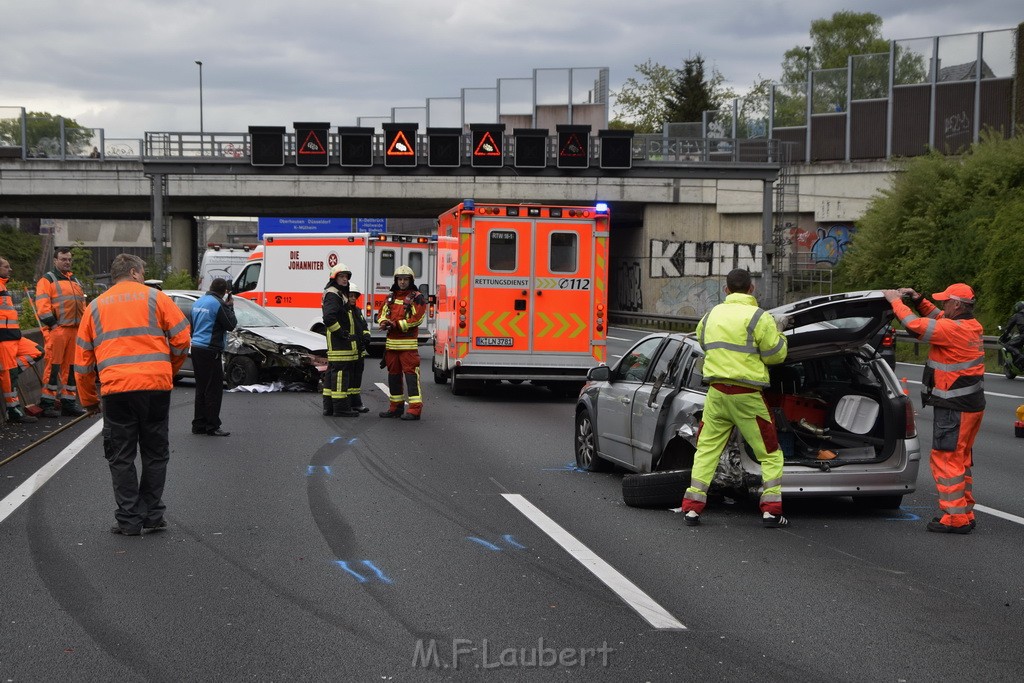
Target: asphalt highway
[(468, 546)]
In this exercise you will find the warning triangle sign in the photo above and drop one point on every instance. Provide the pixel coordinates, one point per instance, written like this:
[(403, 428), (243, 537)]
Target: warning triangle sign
[(572, 147), (312, 145), (400, 146), (487, 147)]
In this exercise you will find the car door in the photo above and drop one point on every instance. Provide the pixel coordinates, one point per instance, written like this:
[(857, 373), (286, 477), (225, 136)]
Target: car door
[(651, 399), (613, 421)]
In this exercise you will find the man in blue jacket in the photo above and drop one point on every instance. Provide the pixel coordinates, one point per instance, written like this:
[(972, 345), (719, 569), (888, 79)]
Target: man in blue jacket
[(213, 316)]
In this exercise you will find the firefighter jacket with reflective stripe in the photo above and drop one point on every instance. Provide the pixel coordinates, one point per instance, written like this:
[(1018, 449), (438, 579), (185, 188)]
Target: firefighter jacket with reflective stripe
[(60, 300), (739, 341), (340, 324), (134, 338), (954, 374), (10, 330), (405, 308)]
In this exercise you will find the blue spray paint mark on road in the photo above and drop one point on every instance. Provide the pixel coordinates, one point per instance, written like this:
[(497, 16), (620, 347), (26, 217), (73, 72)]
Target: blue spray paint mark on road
[(379, 573), (310, 469), (344, 565), (512, 542), (335, 438), (327, 469), (338, 438), (571, 467), (486, 544)]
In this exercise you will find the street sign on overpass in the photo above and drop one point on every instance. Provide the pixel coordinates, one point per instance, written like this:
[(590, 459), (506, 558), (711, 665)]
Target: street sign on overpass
[(308, 226)]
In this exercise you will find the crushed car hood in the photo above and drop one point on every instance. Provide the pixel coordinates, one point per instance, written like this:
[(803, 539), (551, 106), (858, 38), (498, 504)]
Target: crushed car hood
[(293, 336), (834, 322)]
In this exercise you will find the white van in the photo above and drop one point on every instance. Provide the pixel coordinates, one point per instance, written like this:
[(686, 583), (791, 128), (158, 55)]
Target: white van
[(222, 260)]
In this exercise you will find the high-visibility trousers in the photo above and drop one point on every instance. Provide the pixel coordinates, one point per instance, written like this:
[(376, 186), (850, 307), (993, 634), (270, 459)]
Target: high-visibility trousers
[(58, 373), (404, 364), (728, 406), (952, 457)]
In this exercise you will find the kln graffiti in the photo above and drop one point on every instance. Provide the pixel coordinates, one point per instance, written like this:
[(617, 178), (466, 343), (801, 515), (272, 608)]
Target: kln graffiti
[(700, 259)]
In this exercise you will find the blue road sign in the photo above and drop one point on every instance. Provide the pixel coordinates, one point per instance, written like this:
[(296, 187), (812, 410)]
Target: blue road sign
[(311, 226)]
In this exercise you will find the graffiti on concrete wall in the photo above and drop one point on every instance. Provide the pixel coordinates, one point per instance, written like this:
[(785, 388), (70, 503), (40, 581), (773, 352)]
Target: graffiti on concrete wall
[(701, 259), (826, 245), (688, 296), (628, 294)]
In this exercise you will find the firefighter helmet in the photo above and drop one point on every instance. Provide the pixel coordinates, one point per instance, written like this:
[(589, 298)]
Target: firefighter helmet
[(404, 270), (339, 269), (1018, 307)]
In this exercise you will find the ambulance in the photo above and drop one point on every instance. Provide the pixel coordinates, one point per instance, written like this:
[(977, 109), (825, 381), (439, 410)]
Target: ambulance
[(288, 272), (521, 295)]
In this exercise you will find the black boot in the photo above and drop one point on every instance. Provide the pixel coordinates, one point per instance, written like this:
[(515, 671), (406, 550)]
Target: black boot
[(343, 408), (357, 405), (16, 415), (70, 407), (397, 412), (328, 406)]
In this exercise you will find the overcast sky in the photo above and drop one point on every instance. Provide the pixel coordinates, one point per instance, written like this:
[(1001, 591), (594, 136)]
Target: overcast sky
[(128, 66)]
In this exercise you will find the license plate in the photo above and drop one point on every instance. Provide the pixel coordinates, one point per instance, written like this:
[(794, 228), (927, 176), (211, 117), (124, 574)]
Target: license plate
[(494, 341)]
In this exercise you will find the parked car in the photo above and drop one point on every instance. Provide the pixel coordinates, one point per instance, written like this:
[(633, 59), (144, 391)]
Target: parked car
[(844, 424), (262, 348)]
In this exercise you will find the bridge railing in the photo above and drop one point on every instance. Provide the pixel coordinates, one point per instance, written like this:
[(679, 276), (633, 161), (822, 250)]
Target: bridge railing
[(654, 150)]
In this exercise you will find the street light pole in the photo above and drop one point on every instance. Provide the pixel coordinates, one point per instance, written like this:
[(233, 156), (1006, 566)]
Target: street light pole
[(200, 64)]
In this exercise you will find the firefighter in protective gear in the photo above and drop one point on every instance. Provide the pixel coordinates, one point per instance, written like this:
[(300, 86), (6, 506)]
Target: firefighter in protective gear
[(60, 303), (12, 352), (954, 385), (355, 389), (342, 351), (133, 339), (400, 316), (739, 340)]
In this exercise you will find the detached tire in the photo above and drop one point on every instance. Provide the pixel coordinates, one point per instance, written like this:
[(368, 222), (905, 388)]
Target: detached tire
[(241, 371), (655, 489)]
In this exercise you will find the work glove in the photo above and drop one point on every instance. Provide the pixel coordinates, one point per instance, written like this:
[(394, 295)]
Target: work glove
[(383, 364), (783, 322)]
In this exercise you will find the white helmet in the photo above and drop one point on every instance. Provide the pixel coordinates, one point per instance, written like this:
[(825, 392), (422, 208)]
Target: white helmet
[(339, 269), (404, 270)]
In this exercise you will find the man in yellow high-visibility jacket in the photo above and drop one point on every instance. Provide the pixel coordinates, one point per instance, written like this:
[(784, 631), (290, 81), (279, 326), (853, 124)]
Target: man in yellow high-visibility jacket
[(739, 340)]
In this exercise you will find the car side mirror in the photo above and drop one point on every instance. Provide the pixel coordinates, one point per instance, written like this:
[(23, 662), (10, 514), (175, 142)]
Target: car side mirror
[(601, 373)]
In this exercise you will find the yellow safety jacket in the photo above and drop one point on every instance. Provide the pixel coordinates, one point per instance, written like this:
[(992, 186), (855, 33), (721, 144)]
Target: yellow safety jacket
[(740, 340)]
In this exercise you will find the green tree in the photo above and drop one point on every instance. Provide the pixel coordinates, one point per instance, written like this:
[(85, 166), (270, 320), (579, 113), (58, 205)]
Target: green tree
[(692, 92), (640, 103), (21, 250), (81, 266), (43, 133), (947, 219)]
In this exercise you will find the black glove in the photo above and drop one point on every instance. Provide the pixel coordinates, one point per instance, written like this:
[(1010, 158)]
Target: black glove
[(383, 364)]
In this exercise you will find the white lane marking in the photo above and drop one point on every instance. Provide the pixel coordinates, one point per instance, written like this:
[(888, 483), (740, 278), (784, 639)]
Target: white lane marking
[(620, 338), (383, 387), (19, 495), (644, 605), (999, 513)]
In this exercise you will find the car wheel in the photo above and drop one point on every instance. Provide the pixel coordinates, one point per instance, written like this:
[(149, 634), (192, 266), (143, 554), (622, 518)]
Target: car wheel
[(241, 371), (655, 489), (880, 502), (585, 445)]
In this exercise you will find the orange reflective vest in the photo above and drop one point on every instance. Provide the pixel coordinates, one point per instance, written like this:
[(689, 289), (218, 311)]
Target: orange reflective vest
[(954, 374), (134, 338), (60, 300), (10, 329)]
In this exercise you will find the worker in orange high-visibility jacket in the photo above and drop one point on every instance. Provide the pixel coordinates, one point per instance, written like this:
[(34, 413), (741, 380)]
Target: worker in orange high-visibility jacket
[(132, 341), (16, 352), (954, 385), (401, 315), (60, 302)]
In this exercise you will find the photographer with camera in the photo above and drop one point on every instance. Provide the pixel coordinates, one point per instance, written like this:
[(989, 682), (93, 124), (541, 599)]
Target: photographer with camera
[(212, 317)]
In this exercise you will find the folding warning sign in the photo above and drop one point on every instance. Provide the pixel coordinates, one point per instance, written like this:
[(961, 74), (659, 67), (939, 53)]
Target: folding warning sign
[(531, 147), (488, 145), (267, 145), (616, 148), (356, 143), (573, 146), (444, 147), (311, 144), (400, 144)]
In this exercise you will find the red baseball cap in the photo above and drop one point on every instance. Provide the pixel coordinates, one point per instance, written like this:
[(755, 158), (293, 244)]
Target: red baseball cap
[(957, 292)]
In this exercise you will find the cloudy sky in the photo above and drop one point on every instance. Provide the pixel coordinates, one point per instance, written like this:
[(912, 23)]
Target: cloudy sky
[(128, 66)]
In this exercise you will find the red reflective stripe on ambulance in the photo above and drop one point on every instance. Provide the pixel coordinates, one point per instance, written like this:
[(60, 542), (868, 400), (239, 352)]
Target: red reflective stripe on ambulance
[(293, 299)]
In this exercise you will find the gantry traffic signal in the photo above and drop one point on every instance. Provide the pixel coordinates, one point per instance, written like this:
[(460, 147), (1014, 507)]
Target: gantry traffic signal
[(311, 144), (573, 147), (616, 149), (531, 147), (488, 145), (400, 144), (356, 145), (266, 145), (444, 147)]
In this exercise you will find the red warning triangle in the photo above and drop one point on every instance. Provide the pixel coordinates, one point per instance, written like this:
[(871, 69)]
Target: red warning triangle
[(573, 147), (400, 146), (487, 147), (312, 145)]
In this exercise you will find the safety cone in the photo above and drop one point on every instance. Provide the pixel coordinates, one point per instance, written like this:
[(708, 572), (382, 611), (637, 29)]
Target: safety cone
[(906, 388), (1018, 426)]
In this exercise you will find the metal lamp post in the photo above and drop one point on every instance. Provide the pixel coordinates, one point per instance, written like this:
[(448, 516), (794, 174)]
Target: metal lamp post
[(200, 64)]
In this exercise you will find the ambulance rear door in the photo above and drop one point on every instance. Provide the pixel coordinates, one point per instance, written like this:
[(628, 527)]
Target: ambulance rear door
[(564, 286)]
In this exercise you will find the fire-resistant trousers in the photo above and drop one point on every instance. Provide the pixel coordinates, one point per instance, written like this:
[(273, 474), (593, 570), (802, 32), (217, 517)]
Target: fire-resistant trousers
[(405, 363), (729, 406), (952, 456), (135, 423)]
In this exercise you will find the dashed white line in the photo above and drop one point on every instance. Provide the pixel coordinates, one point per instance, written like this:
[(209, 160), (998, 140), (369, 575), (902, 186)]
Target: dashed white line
[(999, 513), (644, 605)]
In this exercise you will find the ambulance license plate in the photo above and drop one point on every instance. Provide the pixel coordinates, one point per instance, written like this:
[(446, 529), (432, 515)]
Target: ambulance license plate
[(494, 341)]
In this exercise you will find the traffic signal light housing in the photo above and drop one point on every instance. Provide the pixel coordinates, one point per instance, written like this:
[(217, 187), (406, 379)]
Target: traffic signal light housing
[(444, 147), (356, 145), (400, 144), (266, 145), (311, 144), (573, 147), (616, 149), (488, 145), (531, 147)]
